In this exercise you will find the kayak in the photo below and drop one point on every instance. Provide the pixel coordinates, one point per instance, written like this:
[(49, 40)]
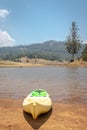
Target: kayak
[(37, 102)]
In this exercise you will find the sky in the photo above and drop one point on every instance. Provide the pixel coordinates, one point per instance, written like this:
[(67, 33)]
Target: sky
[(23, 22)]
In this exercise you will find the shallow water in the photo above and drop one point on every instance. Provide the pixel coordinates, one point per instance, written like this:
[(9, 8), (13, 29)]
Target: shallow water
[(64, 84)]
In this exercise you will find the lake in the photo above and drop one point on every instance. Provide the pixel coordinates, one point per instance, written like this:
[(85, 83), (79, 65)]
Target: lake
[(64, 84)]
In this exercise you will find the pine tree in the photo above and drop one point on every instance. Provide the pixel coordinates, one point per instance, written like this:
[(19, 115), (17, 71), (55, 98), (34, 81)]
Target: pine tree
[(73, 42)]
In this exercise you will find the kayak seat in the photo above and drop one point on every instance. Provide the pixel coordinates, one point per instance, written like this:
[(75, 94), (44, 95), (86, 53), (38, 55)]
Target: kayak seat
[(38, 93)]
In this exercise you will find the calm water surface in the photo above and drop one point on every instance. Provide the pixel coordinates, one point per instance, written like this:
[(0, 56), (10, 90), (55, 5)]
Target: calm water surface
[(64, 84)]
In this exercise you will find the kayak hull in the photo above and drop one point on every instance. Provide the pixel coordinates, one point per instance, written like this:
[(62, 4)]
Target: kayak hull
[(37, 105)]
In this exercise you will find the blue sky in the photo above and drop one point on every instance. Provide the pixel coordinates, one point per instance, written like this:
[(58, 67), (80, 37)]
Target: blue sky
[(35, 21)]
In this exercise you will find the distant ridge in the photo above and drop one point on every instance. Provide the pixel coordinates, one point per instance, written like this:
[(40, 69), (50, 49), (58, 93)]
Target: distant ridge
[(50, 50)]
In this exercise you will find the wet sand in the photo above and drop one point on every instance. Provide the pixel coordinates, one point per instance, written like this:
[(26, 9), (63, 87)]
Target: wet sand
[(61, 117)]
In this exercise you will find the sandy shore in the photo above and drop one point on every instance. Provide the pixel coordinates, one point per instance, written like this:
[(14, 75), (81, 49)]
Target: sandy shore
[(18, 64), (42, 62), (61, 117)]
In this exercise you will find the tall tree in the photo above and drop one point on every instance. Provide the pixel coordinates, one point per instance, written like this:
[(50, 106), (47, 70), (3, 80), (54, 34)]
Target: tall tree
[(73, 42)]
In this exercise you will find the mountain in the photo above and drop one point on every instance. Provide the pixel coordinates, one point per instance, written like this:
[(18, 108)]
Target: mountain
[(51, 50)]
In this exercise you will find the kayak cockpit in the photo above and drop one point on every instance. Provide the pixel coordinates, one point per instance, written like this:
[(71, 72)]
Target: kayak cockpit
[(39, 93)]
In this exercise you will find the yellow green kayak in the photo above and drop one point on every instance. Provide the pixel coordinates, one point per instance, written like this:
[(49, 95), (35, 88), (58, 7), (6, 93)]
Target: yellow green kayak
[(37, 102)]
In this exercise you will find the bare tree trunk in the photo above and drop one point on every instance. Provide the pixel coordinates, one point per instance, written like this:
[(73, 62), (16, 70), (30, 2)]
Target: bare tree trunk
[(73, 57)]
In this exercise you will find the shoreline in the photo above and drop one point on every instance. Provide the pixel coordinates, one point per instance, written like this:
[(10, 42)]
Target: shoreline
[(41, 63), (63, 116)]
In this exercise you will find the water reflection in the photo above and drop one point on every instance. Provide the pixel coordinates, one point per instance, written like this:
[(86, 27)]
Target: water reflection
[(66, 84), (78, 89)]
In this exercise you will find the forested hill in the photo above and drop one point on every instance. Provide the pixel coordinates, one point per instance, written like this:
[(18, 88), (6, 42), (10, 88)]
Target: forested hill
[(51, 50)]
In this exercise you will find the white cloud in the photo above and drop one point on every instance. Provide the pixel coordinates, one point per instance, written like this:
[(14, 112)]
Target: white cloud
[(6, 39), (3, 13)]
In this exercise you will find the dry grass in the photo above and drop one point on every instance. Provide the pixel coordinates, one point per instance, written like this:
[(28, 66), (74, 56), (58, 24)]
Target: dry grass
[(78, 63), (41, 62)]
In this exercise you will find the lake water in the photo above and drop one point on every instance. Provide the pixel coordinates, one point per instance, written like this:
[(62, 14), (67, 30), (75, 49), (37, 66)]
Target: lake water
[(64, 84)]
